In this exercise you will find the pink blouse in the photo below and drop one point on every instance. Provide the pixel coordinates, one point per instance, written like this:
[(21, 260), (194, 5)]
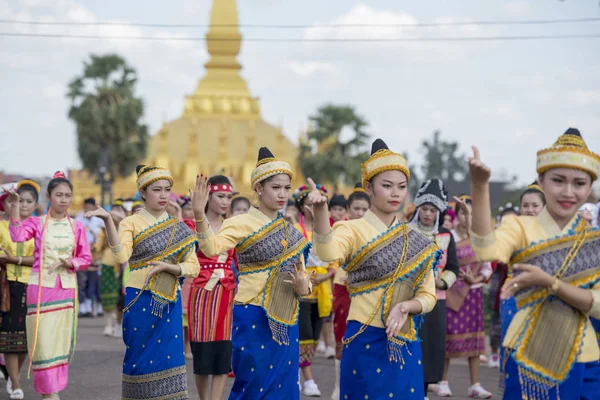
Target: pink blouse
[(33, 228)]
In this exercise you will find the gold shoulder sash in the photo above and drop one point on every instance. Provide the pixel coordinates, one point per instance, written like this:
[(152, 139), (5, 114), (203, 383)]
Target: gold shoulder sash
[(275, 248), (575, 259), (396, 261), (169, 241)]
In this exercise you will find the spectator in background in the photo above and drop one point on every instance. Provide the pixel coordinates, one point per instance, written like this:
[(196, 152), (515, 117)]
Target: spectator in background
[(88, 278)]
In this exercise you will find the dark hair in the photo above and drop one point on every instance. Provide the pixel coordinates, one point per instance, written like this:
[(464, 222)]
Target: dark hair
[(358, 196), (533, 191), (508, 210), (238, 199), (26, 187), (338, 200), (217, 180), (90, 200), (57, 181)]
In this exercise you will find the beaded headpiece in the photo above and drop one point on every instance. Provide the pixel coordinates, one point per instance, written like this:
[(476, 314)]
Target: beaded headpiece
[(148, 174), (303, 191), (382, 159), (267, 166), (432, 191), (569, 151)]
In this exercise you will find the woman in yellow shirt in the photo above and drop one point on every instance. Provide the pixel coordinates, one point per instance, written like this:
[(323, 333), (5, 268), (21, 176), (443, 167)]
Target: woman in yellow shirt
[(271, 254), (16, 260), (551, 345), (390, 270), (160, 250)]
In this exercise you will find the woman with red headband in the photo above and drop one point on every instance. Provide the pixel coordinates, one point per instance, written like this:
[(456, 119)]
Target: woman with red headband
[(211, 302), (61, 248)]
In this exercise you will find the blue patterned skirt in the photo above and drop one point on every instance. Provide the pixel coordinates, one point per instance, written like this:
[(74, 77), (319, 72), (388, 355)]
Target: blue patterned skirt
[(367, 372), (154, 365), (583, 383), (264, 369)]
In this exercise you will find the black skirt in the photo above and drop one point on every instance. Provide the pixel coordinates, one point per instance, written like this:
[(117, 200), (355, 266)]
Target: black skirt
[(13, 336), (433, 343), (212, 358)]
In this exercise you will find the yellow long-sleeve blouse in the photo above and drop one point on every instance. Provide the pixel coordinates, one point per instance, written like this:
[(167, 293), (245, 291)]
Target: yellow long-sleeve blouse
[(233, 231), (131, 227), (18, 273), (516, 233), (346, 239)]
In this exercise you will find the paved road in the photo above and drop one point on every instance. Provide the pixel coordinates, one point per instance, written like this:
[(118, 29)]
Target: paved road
[(96, 370)]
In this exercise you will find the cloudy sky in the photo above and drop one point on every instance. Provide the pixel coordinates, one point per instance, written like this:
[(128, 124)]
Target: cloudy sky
[(508, 97)]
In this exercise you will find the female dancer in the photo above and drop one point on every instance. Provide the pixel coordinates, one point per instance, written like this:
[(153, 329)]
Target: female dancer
[(552, 351), (391, 281), (271, 254), (317, 306), (465, 307), (61, 248), (17, 261), (431, 205), (160, 249), (211, 302), (358, 204)]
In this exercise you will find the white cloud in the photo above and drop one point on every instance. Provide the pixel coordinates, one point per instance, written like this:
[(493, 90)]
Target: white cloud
[(439, 116), (518, 8), (583, 97), (365, 22), (310, 67), (505, 111), (55, 90)]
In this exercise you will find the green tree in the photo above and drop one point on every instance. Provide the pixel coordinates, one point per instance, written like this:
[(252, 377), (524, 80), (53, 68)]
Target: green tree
[(442, 160), (325, 155), (111, 139)]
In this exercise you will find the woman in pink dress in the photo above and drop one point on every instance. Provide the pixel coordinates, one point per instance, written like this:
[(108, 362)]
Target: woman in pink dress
[(61, 248)]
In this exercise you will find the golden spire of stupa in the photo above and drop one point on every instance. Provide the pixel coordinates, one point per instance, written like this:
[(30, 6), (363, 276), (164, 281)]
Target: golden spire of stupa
[(222, 91)]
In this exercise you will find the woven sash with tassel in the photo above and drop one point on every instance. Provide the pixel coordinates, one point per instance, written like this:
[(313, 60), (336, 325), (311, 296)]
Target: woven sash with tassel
[(396, 261), (550, 339), (276, 248), (168, 241)]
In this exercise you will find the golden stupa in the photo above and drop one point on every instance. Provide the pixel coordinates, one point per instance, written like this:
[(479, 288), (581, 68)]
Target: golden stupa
[(220, 129)]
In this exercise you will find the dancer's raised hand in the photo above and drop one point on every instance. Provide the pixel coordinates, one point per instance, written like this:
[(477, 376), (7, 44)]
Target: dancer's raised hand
[(98, 212), (315, 197), (480, 173), (199, 196)]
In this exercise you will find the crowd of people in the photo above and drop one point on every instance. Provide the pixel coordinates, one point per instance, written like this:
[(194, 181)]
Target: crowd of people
[(254, 288)]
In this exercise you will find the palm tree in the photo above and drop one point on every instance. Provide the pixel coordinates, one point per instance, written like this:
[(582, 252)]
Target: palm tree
[(111, 139), (325, 156)]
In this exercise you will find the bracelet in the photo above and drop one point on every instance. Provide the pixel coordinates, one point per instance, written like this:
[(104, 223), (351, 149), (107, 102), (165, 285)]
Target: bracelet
[(199, 221), (20, 260), (554, 288)]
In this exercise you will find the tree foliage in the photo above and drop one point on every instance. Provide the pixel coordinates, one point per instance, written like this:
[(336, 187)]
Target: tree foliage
[(108, 115), (442, 160), (325, 155)]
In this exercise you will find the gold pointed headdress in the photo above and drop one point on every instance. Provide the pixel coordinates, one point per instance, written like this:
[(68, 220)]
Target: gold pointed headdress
[(147, 174), (382, 159), (267, 166), (569, 151)]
